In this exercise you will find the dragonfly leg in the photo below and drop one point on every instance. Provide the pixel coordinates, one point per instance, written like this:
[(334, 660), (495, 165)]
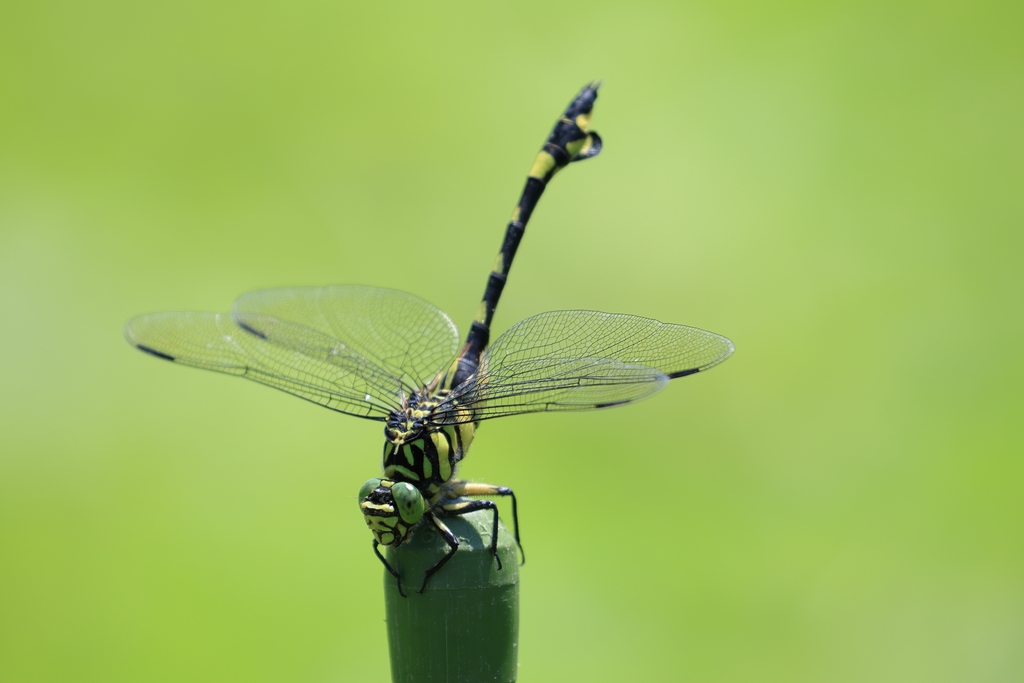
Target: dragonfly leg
[(449, 538), (466, 488), (464, 507), (398, 577)]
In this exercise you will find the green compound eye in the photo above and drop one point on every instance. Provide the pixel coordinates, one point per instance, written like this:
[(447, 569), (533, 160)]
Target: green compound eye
[(409, 501), (368, 488)]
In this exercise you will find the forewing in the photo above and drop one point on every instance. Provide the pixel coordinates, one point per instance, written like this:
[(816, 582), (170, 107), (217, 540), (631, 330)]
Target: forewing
[(341, 381), (580, 360), (403, 335)]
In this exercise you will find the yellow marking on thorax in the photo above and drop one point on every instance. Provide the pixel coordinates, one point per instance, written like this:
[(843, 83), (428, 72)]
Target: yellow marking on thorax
[(444, 468), (468, 430), (404, 471), (441, 444)]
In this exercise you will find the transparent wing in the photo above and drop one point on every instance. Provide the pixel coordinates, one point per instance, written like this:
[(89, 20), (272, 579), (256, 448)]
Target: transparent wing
[(399, 333), (342, 381), (580, 360)]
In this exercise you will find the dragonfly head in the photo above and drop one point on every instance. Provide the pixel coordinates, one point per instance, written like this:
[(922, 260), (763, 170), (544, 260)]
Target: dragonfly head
[(391, 509)]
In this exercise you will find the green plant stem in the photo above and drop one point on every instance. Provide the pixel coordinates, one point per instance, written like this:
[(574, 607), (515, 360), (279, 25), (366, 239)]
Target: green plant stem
[(464, 628)]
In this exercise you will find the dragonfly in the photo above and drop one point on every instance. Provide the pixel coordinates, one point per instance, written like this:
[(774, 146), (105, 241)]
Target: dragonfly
[(389, 356)]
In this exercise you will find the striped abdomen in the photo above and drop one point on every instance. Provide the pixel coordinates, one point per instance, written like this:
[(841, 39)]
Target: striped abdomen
[(570, 140), (429, 461)]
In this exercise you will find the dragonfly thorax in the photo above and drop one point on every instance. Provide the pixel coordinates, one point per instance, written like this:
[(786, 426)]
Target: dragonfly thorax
[(407, 423), (418, 451)]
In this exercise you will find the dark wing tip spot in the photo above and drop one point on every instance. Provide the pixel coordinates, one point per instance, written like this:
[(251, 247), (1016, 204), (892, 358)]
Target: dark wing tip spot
[(251, 330), (154, 352), (683, 373), (610, 405)]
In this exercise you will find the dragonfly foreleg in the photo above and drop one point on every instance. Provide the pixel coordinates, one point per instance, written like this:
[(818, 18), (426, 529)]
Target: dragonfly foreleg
[(398, 577), (466, 488), (449, 538)]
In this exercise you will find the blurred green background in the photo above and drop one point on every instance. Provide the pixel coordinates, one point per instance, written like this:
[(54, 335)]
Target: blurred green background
[(837, 187)]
